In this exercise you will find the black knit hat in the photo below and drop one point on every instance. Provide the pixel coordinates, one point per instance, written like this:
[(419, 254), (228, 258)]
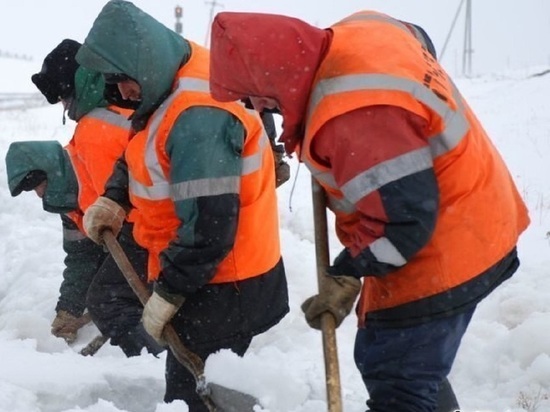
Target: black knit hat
[(56, 79)]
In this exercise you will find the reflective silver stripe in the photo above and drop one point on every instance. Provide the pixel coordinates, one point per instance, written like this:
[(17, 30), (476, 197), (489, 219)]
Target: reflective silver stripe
[(387, 172), (206, 187), (253, 162), (456, 125), (157, 192), (323, 177), (384, 251), (151, 161), (340, 205), (161, 188), (108, 116), (192, 84), (73, 235), (336, 205)]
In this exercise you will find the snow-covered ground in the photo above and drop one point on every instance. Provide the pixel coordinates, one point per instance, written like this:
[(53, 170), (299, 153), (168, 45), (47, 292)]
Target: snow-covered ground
[(503, 363)]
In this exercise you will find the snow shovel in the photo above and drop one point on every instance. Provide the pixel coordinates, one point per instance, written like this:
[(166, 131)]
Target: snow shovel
[(94, 345), (328, 323), (217, 398)]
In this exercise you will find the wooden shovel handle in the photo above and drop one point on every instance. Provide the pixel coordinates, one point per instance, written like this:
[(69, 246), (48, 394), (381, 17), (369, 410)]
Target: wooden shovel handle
[(188, 359), (328, 323)]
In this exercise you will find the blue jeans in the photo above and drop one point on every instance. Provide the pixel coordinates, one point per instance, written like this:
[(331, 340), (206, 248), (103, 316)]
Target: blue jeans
[(403, 368)]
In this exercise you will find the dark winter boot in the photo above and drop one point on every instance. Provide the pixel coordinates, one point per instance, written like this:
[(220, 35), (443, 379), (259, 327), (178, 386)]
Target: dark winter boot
[(134, 340)]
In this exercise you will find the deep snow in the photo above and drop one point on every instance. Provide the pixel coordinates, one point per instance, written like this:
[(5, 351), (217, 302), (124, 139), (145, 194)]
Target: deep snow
[(503, 363)]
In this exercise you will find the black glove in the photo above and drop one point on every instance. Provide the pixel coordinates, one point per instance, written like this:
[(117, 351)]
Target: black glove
[(344, 265)]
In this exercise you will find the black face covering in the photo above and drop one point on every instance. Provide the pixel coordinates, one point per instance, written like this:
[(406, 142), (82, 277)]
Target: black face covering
[(30, 181), (248, 104), (114, 78), (275, 110), (70, 108), (113, 96)]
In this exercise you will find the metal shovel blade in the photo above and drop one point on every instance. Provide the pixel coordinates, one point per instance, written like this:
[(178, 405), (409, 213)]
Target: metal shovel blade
[(230, 400)]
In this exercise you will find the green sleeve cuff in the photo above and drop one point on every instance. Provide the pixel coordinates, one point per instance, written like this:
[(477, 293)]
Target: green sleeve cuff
[(173, 298)]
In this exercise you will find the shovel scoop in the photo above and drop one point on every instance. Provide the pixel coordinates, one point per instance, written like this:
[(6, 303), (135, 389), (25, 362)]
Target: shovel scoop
[(216, 397)]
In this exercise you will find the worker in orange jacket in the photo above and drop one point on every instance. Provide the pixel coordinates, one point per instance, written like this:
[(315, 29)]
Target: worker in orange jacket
[(201, 175), (69, 179), (425, 207)]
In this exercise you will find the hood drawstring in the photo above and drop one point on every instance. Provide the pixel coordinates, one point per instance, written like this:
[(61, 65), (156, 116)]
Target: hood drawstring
[(64, 119), (293, 187), (70, 109)]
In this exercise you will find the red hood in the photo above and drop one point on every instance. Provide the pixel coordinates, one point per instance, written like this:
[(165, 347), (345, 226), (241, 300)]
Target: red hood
[(267, 55)]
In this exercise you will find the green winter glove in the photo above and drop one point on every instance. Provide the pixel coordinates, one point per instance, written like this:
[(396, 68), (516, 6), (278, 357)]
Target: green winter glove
[(337, 296)]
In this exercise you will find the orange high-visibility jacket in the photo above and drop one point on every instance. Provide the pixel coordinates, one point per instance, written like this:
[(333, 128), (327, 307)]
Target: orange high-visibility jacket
[(152, 193), (480, 213), (100, 138)]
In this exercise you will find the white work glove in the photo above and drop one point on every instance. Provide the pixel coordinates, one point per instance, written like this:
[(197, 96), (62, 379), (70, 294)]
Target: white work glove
[(157, 313), (103, 214)]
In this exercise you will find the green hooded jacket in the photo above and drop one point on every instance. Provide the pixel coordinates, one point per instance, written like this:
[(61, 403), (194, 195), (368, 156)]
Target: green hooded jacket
[(204, 143), (61, 195), (126, 40), (83, 257), (88, 87)]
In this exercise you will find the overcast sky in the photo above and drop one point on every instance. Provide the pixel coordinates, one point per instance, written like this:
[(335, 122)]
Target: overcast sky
[(506, 34)]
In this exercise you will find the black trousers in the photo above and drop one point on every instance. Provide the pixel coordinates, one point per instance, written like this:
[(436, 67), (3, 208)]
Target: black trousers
[(113, 305), (405, 369), (180, 383)]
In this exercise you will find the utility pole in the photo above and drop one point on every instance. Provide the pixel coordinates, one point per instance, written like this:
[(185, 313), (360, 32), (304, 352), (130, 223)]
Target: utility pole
[(455, 18), (467, 50), (213, 4)]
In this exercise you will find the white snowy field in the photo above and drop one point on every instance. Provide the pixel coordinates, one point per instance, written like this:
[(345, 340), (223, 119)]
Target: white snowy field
[(503, 364)]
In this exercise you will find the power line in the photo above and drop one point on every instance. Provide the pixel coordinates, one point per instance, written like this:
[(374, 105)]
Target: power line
[(467, 50), (21, 101), (9, 55), (455, 18)]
